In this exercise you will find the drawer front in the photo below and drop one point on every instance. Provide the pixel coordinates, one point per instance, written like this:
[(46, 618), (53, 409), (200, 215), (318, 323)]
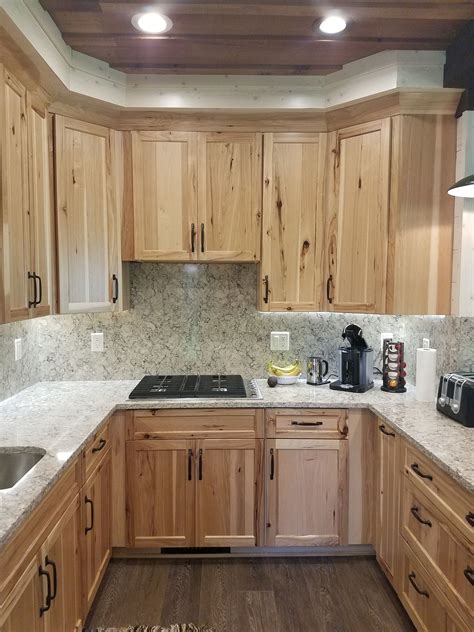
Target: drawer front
[(204, 423), (455, 502), (440, 547), (306, 424), (418, 594), (96, 449)]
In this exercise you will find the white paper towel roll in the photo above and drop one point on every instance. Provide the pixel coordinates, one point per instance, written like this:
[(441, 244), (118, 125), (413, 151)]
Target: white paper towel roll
[(426, 378)]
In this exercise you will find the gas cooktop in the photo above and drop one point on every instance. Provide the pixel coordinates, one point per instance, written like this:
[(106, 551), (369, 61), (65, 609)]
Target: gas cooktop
[(195, 386)]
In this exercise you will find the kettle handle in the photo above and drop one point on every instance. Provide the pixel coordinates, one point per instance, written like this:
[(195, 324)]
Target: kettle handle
[(326, 367)]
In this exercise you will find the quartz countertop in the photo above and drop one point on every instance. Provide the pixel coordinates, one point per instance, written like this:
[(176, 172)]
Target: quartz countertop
[(60, 418)]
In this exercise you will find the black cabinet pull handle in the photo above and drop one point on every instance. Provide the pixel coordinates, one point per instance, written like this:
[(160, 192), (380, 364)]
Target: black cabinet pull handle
[(202, 237), (101, 445), (48, 562), (386, 432), (88, 501), (272, 464), (200, 465), (47, 605), (267, 290), (193, 236), (307, 423), (190, 465), (415, 513), (412, 578), (470, 518), (34, 302), (115, 281), (416, 468), (40, 289), (469, 574), (328, 289)]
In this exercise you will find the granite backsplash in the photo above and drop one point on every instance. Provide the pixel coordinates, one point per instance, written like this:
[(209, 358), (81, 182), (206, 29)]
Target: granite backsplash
[(203, 318)]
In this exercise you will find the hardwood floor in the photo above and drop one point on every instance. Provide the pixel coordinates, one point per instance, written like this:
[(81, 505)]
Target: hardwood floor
[(251, 595)]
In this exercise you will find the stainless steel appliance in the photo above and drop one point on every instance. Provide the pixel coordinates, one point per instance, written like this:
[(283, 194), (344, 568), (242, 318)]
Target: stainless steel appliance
[(355, 363), (315, 373), (195, 386), (456, 397)]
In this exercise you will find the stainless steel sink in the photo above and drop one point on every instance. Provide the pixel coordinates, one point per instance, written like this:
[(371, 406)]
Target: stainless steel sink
[(15, 463)]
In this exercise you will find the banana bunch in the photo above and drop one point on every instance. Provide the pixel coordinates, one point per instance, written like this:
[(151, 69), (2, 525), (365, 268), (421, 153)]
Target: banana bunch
[(292, 370)]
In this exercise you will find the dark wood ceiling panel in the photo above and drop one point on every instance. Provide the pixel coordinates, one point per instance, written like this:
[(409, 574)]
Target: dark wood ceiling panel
[(249, 37)]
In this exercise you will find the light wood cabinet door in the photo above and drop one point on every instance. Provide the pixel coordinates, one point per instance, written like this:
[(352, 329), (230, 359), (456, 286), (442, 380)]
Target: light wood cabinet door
[(96, 527), (230, 196), (88, 252), (160, 493), (40, 210), (17, 290), (227, 492), (60, 558), (357, 222), (165, 195), (306, 492), (293, 225), (388, 487), (21, 611)]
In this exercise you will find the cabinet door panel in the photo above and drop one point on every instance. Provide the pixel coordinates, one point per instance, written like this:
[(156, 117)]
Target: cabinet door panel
[(357, 238), (15, 203), (161, 493), (293, 226), (21, 612), (229, 196), (164, 195), (84, 192), (226, 492), (307, 485)]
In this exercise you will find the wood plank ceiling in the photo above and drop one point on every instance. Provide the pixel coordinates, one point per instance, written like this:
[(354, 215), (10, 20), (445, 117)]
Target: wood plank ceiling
[(255, 36)]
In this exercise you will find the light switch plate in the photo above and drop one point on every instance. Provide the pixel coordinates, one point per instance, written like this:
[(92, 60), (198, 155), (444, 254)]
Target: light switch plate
[(97, 342), (18, 349), (280, 341)]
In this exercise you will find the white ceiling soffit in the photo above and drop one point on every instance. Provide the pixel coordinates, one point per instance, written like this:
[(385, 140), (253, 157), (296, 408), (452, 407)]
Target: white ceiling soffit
[(91, 77)]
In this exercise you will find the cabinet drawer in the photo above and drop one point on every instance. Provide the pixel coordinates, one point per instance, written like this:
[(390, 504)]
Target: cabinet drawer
[(441, 548), (305, 424), (418, 593), (96, 449), (203, 423), (455, 502)]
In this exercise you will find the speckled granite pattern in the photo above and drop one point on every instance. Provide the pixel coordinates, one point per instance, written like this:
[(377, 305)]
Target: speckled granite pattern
[(60, 417), (14, 376)]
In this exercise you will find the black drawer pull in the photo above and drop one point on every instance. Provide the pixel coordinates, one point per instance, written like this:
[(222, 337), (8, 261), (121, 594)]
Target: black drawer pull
[(202, 238), (470, 518), (267, 290), (412, 578), (115, 281), (328, 289), (416, 468), (414, 511), (40, 289), (469, 574), (101, 446), (272, 464), (34, 302), (193, 237), (386, 432), (190, 465), (47, 605), (307, 423), (200, 465), (88, 501), (48, 562)]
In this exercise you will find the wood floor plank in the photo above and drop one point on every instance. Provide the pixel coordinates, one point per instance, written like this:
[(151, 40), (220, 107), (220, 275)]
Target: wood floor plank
[(182, 596), (261, 611)]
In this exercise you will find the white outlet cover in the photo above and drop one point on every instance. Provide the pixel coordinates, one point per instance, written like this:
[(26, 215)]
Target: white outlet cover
[(280, 340), (97, 342), (383, 337), (18, 349)]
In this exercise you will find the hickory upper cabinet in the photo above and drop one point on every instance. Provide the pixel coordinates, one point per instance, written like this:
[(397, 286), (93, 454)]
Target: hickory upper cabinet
[(357, 201), (89, 179), (196, 196), (293, 222)]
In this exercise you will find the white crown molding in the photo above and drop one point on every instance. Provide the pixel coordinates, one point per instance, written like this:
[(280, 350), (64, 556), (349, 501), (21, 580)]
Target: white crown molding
[(91, 77)]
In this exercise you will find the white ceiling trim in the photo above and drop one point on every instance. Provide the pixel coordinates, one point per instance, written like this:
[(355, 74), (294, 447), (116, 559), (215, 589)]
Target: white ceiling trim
[(91, 77)]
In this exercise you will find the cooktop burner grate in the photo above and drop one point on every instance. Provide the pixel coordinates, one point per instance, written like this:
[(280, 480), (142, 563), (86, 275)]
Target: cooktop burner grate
[(198, 386)]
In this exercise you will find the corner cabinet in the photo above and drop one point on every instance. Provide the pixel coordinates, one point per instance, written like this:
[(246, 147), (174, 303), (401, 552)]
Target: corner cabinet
[(88, 179), (291, 272)]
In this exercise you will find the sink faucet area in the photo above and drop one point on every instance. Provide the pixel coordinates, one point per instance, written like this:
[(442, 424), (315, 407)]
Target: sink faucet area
[(15, 463)]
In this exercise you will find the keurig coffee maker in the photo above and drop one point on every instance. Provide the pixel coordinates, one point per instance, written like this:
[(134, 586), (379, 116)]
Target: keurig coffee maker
[(355, 363)]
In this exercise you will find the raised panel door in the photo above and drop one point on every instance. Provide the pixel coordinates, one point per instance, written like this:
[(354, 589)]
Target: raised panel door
[(21, 611)]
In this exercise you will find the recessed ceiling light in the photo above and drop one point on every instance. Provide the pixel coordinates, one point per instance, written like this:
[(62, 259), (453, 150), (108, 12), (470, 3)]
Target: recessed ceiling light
[(152, 22), (333, 24)]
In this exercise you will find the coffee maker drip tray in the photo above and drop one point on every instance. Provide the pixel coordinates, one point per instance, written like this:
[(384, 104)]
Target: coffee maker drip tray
[(351, 388)]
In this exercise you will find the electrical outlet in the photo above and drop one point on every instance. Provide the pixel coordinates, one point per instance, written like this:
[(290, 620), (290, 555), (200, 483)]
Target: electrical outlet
[(280, 341), (18, 349), (383, 337), (97, 343)]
